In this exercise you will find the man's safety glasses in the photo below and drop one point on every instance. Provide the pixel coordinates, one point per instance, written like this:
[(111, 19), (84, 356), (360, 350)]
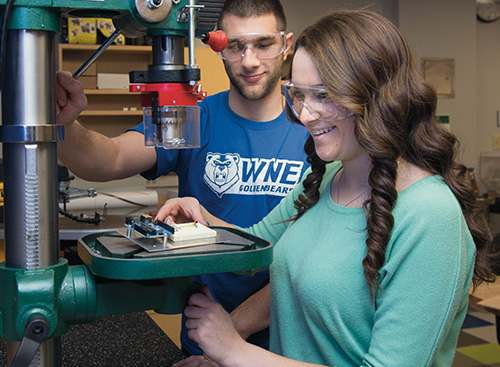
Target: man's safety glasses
[(315, 99), (263, 45)]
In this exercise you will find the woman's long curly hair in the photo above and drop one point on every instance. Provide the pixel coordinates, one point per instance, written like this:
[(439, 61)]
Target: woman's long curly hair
[(367, 66)]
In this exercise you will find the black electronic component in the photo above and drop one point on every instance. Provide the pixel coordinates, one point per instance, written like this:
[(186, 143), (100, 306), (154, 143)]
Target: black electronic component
[(164, 226)]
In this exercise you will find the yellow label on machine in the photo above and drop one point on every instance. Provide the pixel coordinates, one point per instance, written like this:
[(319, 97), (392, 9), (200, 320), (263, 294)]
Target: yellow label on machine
[(82, 30)]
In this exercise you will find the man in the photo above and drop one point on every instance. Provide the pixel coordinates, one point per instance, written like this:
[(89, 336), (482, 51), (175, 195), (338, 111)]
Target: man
[(244, 133)]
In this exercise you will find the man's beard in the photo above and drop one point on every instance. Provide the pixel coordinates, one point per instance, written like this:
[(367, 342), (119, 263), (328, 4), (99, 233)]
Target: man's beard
[(254, 95)]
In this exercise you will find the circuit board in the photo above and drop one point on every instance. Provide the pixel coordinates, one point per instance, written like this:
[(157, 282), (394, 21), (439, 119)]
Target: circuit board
[(154, 235)]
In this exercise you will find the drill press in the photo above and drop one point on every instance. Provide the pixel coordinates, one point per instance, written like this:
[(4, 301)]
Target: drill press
[(40, 293)]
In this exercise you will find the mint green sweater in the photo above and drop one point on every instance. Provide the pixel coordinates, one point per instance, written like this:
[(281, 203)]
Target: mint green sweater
[(320, 303)]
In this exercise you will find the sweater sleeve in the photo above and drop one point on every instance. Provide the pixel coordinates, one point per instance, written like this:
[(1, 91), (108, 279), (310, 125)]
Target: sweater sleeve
[(424, 282)]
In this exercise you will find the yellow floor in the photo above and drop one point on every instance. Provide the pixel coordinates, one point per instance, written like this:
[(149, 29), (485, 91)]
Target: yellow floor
[(170, 324)]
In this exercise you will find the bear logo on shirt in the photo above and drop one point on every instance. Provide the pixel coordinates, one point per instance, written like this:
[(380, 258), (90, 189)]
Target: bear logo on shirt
[(221, 171)]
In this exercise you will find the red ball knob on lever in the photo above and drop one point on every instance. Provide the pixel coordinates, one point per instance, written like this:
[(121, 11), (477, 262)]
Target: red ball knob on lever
[(216, 40)]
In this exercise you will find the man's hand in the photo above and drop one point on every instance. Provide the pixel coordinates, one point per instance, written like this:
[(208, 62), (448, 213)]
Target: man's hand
[(71, 99)]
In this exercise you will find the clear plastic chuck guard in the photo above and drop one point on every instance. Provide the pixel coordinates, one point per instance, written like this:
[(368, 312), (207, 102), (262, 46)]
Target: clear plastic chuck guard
[(174, 127)]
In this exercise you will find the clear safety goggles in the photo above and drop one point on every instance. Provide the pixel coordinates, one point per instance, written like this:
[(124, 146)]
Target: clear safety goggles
[(315, 99), (263, 45)]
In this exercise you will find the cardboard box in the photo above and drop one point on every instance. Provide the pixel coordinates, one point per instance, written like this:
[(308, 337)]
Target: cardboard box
[(82, 31), (112, 81)]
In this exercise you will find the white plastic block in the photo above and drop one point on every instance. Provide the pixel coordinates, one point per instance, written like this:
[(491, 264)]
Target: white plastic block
[(191, 231)]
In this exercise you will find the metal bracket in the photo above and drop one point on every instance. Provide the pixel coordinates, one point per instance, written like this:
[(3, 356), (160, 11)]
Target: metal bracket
[(31, 133)]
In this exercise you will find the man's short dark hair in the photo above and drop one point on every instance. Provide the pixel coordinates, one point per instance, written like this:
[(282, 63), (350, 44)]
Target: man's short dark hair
[(249, 8)]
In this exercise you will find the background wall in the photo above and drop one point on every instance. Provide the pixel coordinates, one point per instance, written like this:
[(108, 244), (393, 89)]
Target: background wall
[(301, 14), (487, 86), (447, 28)]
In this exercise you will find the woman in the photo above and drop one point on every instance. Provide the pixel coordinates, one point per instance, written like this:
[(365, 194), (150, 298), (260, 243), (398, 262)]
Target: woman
[(377, 247)]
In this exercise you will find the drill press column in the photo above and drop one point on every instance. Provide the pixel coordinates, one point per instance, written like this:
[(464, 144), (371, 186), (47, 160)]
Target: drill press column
[(30, 159)]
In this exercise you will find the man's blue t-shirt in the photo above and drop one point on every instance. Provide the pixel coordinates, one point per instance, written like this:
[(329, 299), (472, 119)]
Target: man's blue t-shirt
[(240, 172)]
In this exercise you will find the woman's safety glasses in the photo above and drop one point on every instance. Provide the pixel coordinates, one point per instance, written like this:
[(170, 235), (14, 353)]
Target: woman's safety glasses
[(263, 45), (316, 100)]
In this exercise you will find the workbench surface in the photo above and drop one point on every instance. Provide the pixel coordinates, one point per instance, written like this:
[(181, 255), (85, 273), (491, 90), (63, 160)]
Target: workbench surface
[(129, 340)]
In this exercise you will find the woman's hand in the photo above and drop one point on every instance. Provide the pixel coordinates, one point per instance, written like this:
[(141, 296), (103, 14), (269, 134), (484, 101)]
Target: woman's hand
[(181, 210), (212, 328), (71, 99)]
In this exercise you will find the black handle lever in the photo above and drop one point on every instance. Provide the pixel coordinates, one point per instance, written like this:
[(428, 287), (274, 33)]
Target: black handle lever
[(34, 334)]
